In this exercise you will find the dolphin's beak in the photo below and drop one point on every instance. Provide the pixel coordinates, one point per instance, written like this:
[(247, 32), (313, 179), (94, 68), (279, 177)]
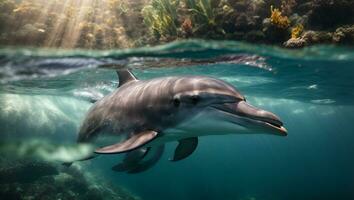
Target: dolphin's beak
[(254, 117)]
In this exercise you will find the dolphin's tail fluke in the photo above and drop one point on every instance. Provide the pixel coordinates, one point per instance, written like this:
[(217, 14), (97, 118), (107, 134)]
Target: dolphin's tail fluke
[(140, 160)]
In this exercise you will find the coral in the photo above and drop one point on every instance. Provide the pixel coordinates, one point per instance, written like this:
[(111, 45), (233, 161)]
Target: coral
[(296, 31), (277, 19)]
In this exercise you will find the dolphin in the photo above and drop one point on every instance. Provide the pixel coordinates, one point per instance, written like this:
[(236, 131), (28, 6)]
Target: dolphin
[(140, 116)]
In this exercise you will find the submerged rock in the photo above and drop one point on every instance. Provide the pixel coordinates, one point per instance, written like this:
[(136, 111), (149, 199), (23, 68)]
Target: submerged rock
[(26, 172), (45, 181)]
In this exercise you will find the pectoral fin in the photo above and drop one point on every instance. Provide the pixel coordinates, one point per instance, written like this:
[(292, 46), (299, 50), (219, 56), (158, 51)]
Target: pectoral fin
[(185, 148), (140, 160), (147, 164), (131, 159), (132, 143)]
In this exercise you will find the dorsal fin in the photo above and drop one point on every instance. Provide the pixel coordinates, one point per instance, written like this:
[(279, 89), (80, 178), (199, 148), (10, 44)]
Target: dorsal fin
[(125, 76)]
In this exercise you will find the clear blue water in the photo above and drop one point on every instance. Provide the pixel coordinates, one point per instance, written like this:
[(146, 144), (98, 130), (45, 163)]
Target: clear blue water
[(44, 96)]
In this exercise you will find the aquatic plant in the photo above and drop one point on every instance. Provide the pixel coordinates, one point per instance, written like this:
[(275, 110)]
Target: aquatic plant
[(202, 12), (277, 19), (161, 17), (296, 31)]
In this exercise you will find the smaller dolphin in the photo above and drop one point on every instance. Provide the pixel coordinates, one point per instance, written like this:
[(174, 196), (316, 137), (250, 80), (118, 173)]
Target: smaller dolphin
[(140, 116)]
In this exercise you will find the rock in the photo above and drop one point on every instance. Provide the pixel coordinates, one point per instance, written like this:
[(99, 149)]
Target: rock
[(254, 36), (239, 5), (295, 43), (329, 14), (319, 37), (297, 19), (315, 37), (94, 194), (266, 22), (344, 35), (237, 35), (273, 33), (30, 180), (63, 178), (227, 21), (26, 172), (304, 8), (244, 23)]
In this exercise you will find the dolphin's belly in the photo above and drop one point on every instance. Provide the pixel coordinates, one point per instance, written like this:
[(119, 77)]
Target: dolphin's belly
[(205, 123)]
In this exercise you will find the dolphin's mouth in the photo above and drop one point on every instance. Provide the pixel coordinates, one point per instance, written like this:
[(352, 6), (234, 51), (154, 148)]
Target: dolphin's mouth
[(253, 116), (280, 128)]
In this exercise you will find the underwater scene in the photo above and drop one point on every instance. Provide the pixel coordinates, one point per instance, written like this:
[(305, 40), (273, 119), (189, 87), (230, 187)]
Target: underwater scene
[(46, 94), (176, 99)]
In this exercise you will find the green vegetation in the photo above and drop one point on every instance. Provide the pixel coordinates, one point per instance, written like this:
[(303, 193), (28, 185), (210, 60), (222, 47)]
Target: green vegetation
[(161, 17), (202, 12)]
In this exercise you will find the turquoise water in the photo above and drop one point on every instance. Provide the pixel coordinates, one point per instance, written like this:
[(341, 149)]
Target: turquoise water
[(45, 93)]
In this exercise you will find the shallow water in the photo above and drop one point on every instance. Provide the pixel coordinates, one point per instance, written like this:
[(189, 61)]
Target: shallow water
[(45, 94)]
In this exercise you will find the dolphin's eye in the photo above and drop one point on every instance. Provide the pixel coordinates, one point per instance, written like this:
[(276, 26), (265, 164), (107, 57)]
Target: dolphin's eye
[(176, 102), (195, 99)]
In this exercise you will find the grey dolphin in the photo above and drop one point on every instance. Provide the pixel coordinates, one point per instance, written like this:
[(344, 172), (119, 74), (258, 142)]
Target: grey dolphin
[(141, 115)]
